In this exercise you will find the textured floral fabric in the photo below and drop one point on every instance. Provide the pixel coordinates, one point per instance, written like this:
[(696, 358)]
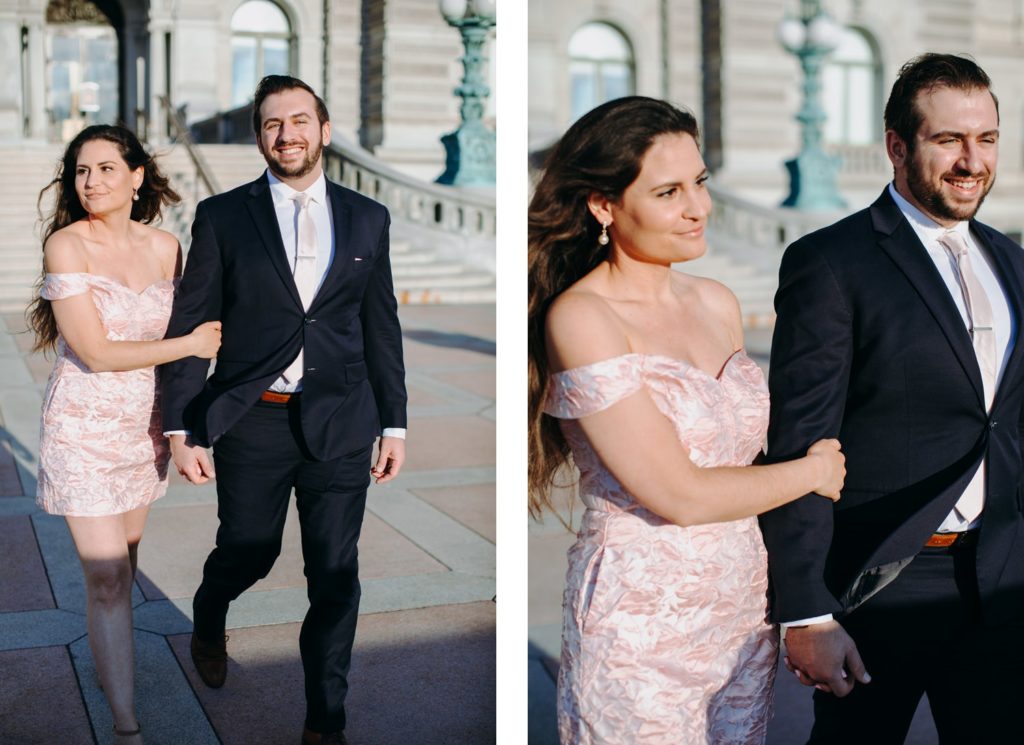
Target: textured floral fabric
[(101, 447), (665, 638)]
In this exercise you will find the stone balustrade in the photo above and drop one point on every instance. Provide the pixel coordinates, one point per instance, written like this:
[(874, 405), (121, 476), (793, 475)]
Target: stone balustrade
[(761, 227)]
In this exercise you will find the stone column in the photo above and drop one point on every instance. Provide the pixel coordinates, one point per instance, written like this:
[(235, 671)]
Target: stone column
[(11, 79), (37, 129)]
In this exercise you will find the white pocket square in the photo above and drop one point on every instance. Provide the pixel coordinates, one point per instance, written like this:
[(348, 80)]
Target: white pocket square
[(359, 258)]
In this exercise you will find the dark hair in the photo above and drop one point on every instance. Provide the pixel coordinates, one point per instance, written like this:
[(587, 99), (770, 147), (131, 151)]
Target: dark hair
[(154, 193), (601, 153), (925, 73), (272, 84)]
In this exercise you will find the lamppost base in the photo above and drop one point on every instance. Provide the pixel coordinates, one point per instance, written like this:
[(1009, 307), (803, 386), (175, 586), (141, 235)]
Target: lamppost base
[(469, 157), (812, 182)]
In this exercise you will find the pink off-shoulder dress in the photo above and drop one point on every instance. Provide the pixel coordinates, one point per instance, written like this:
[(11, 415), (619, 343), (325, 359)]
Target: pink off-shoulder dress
[(101, 448), (665, 637)]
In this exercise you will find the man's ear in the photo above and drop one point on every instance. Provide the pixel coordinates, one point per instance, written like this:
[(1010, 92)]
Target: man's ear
[(896, 149)]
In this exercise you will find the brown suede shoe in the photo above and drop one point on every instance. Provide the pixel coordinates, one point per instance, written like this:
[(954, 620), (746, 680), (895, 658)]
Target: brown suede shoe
[(211, 660), (309, 737)]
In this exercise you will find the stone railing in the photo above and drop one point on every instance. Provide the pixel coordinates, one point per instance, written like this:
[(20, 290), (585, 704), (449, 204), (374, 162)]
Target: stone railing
[(462, 219), (760, 227), (862, 160)]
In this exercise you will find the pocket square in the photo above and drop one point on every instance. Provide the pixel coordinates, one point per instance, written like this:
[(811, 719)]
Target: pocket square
[(359, 258)]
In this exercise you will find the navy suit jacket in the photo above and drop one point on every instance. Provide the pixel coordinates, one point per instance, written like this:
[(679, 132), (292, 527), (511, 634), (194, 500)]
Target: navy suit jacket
[(237, 272), (869, 347)]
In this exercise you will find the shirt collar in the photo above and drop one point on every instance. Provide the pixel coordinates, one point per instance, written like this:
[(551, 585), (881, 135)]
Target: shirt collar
[(282, 193), (924, 226)]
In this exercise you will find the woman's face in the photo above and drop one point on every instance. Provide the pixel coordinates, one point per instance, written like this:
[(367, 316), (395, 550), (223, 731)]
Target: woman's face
[(662, 215), (103, 181)]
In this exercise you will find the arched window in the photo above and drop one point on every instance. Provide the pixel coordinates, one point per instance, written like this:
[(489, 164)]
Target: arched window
[(600, 67), (261, 40), (851, 89)]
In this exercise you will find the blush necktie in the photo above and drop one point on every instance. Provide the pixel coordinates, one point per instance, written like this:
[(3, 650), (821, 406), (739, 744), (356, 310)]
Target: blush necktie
[(304, 273), (983, 337)]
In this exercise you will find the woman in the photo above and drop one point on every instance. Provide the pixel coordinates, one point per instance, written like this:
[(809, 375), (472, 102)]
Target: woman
[(104, 302), (638, 372)]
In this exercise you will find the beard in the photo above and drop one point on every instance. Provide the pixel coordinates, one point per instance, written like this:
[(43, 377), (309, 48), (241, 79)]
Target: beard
[(938, 204), (295, 170)]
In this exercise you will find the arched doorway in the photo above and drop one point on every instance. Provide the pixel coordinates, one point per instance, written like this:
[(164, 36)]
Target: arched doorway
[(81, 67), (96, 65)]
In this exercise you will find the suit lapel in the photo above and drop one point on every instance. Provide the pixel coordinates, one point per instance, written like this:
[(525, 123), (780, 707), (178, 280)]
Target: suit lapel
[(1013, 285), (899, 241), (261, 208), (341, 215)]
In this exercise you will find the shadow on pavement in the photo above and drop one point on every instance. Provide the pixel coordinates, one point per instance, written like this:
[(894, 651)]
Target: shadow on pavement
[(453, 340)]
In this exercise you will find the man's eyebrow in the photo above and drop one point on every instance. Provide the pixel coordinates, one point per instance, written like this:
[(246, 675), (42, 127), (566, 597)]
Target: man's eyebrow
[(953, 133)]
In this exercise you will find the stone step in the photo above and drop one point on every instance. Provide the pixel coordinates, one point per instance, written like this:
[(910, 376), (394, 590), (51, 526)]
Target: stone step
[(445, 296), (426, 270), (445, 282)]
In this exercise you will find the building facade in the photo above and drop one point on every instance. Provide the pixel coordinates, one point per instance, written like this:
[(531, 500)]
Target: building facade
[(387, 68), (722, 60)]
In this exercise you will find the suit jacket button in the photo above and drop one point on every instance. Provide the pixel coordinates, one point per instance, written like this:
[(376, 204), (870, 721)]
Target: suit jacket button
[(992, 425)]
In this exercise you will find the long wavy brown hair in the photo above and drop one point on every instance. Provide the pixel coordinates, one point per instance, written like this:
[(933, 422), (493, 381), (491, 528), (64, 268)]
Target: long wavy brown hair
[(600, 154), (154, 194)]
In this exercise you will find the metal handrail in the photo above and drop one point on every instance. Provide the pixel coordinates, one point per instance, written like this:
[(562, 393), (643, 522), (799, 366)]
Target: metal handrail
[(183, 137)]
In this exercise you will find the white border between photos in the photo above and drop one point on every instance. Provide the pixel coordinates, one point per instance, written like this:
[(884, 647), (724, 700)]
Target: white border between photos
[(511, 531)]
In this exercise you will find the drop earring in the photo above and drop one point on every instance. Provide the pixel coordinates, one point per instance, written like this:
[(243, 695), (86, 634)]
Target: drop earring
[(135, 195), (603, 238)]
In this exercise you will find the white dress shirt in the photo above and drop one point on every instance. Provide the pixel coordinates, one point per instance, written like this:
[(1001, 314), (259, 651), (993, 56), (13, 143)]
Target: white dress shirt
[(928, 231)]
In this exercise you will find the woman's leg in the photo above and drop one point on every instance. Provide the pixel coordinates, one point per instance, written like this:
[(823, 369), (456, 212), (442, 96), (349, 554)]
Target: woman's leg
[(107, 547)]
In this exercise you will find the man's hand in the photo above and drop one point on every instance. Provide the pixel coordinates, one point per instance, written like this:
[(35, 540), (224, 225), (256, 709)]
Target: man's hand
[(390, 458), (824, 656), (191, 461)]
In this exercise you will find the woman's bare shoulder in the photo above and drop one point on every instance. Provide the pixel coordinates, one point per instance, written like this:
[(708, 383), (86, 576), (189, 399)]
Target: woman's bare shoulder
[(64, 251), (582, 327)]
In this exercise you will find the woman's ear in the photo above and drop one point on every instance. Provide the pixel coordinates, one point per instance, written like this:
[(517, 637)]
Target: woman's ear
[(601, 208)]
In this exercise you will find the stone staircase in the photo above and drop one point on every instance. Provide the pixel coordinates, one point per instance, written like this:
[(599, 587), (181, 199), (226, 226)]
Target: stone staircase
[(424, 272), (21, 251)]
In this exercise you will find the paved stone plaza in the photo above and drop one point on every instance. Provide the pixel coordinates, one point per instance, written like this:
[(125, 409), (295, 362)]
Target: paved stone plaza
[(548, 542), (423, 667)]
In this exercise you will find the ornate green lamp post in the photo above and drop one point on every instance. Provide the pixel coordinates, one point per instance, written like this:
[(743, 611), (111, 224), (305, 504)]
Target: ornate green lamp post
[(470, 149), (812, 174)]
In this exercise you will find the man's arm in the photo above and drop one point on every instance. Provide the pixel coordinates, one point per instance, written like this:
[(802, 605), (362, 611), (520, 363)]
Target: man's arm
[(812, 350), (197, 300), (382, 338)]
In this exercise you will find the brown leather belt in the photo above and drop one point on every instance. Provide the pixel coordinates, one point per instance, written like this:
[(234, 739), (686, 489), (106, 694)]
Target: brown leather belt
[(276, 398), (947, 540)]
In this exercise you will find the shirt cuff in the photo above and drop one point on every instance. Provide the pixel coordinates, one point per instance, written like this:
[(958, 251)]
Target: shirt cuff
[(398, 432), (185, 432), (807, 621)]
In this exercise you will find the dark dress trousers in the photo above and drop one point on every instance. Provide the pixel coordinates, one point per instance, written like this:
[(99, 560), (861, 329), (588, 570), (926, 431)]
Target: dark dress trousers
[(319, 444), (869, 347)]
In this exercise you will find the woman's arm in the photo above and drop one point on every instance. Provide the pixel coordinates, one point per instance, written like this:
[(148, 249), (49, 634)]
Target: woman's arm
[(79, 323), (640, 447)]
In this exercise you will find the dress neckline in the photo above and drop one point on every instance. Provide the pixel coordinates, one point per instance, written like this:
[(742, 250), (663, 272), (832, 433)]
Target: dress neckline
[(684, 363), (112, 281)]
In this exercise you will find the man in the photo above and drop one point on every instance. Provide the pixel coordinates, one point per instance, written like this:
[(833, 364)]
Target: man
[(897, 333), (297, 270)]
